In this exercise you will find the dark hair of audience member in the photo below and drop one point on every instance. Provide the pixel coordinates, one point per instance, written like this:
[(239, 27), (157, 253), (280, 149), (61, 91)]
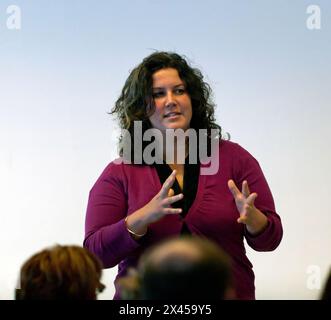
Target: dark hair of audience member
[(61, 273), (326, 293), (185, 268)]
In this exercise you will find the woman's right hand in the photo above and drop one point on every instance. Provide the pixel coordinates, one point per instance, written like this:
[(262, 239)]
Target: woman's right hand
[(160, 205), (157, 208)]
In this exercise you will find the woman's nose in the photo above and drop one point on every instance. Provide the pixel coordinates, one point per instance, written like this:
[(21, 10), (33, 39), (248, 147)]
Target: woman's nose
[(170, 99)]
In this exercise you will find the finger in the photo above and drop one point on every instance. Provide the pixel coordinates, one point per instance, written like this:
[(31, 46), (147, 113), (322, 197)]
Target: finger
[(250, 200), (172, 211), (241, 220), (243, 216), (168, 184), (233, 188), (245, 189), (171, 200)]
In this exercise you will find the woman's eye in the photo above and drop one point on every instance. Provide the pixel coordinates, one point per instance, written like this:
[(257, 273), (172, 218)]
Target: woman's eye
[(157, 94), (180, 91)]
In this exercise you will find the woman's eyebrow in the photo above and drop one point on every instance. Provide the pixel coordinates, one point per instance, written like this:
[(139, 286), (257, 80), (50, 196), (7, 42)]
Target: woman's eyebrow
[(175, 86)]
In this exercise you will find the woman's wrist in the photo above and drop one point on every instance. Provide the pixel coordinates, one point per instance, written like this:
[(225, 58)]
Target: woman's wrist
[(259, 224), (136, 224), (133, 233)]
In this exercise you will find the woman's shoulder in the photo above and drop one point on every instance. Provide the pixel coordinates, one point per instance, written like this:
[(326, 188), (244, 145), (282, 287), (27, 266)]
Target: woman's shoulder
[(234, 150), (231, 146), (120, 174)]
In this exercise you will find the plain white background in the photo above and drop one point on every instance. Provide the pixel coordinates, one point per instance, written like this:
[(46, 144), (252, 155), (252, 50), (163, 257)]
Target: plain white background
[(63, 70)]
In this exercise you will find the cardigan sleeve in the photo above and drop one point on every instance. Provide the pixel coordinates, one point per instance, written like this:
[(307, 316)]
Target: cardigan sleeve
[(105, 231), (248, 168)]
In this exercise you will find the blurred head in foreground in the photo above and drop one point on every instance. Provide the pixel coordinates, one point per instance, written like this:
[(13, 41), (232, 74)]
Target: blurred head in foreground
[(61, 273), (326, 292), (185, 268)]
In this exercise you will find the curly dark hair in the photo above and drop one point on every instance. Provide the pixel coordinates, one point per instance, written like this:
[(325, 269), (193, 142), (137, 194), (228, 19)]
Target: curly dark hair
[(136, 99)]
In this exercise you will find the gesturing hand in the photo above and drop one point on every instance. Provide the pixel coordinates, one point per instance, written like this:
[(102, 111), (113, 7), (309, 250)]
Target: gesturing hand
[(155, 209), (253, 218), (160, 205)]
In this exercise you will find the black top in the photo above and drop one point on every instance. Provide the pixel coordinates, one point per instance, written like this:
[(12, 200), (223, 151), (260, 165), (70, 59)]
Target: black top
[(190, 187)]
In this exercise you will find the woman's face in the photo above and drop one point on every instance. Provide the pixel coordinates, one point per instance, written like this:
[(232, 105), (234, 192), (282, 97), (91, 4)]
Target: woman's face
[(173, 108)]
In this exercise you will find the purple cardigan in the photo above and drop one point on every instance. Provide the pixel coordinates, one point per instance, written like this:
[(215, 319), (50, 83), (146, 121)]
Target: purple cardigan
[(123, 188)]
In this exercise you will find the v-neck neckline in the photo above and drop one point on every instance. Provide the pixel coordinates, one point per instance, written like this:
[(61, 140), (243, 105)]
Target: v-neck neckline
[(199, 192)]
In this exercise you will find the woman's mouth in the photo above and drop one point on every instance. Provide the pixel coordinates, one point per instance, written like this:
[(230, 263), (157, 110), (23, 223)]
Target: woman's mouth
[(171, 115)]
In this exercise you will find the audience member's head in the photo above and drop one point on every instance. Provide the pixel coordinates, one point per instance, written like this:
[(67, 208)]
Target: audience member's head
[(61, 273), (326, 294), (188, 268)]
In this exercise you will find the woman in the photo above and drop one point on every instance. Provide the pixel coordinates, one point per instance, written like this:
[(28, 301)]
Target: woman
[(132, 206)]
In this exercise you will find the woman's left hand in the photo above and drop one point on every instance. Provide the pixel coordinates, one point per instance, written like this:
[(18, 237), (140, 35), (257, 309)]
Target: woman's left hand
[(252, 217)]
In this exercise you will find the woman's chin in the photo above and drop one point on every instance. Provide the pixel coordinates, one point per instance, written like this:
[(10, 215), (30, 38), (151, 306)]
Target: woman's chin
[(175, 126)]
